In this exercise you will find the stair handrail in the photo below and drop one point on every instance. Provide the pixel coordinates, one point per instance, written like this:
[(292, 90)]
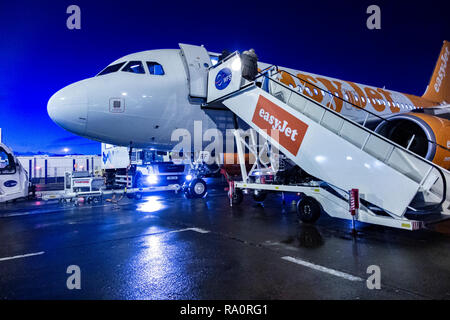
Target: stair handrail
[(279, 71), (438, 168)]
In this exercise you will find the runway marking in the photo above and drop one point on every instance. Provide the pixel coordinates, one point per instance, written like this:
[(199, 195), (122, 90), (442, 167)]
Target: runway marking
[(22, 256), (199, 230), (322, 269)]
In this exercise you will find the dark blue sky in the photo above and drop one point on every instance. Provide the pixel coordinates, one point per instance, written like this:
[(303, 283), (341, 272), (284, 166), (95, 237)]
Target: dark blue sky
[(39, 55)]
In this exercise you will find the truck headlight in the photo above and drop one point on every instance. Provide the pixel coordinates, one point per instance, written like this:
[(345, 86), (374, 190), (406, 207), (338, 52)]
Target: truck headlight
[(152, 179)]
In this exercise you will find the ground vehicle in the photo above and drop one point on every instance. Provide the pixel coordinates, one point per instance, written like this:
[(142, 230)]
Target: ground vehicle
[(140, 167), (346, 162), (13, 177)]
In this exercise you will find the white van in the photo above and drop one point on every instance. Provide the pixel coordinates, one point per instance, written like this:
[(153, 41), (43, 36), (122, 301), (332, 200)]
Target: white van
[(14, 182)]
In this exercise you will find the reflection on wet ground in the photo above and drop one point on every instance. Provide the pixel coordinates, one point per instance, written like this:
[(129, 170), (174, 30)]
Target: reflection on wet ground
[(167, 247)]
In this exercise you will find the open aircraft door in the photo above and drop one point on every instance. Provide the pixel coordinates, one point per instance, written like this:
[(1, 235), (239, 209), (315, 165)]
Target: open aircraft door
[(198, 61)]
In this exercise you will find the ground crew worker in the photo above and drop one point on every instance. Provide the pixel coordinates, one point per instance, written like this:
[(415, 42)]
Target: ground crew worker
[(249, 65)]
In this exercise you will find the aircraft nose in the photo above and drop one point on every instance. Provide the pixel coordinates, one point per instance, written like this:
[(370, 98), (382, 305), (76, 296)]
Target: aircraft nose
[(68, 108)]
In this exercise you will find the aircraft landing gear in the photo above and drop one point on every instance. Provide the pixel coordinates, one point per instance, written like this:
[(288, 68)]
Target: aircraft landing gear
[(195, 189)]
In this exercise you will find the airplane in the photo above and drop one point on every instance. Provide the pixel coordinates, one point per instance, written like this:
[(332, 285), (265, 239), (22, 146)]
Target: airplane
[(141, 98)]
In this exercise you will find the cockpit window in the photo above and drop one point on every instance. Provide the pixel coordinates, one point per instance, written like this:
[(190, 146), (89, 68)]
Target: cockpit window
[(134, 67), (155, 68), (111, 68), (7, 165)]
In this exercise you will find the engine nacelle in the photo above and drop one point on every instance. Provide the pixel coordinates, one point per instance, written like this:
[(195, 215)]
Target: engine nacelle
[(430, 135)]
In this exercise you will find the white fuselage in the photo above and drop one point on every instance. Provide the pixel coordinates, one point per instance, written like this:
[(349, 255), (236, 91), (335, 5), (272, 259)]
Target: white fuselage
[(151, 107)]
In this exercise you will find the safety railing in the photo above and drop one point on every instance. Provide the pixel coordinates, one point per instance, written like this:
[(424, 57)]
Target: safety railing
[(418, 169), (349, 103)]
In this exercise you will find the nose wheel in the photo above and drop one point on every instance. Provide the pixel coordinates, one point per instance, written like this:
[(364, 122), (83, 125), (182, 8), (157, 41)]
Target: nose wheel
[(195, 189)]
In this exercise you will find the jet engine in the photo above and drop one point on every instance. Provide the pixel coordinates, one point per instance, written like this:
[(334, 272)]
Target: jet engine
[(424, 134)]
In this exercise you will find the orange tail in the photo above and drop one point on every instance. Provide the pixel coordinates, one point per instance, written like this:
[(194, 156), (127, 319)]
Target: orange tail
[(438, 90)]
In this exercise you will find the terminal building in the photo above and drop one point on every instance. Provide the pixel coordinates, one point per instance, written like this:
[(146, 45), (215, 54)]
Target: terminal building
[(45, 169)]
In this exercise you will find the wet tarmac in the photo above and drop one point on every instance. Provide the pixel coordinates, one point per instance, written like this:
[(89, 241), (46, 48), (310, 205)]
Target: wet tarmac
[(168, 247)]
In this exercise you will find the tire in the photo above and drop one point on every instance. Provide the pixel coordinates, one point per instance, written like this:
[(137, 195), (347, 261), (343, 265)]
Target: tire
[(259, 195), (237, 197), (197, 188), (308, 210)]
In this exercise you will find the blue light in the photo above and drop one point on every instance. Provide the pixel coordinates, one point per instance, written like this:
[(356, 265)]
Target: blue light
[(152, 179)]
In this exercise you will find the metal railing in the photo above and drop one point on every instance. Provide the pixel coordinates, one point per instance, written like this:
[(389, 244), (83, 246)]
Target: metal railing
[(344, 101), (383, 149)]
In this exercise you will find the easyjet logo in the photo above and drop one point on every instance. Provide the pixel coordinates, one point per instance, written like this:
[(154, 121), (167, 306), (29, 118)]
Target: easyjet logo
[(279, 124), (442, 68)]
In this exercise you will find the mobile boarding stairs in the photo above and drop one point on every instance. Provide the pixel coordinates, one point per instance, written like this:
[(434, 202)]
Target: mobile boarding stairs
[(397, 188)]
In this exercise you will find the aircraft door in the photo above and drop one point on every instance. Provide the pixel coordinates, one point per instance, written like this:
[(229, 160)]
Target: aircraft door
[(197, 61)]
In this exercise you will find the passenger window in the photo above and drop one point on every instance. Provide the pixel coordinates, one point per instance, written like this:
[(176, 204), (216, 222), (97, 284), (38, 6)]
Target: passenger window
[(7, 165), (111, 69), (155, 68), (134, 67)]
